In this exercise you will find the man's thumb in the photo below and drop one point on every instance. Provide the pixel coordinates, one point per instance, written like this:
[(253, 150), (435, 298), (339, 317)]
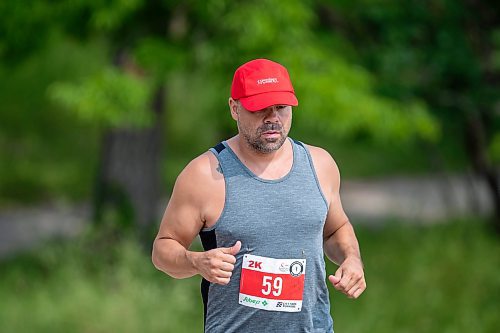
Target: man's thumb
[(233, 250), (334, 279)]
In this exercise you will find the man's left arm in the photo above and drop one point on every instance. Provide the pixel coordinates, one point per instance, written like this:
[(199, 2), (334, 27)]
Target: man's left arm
[(340, 242), (341, 247)]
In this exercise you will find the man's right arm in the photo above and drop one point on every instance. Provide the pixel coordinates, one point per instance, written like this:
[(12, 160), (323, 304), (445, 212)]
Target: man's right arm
[(182, 221)]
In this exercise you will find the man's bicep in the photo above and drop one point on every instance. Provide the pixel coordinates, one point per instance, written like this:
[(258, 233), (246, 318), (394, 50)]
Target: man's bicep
[(182, 219), (336, 217)]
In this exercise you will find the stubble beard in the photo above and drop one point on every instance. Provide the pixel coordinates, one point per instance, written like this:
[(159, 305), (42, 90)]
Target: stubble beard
[(264, 145)]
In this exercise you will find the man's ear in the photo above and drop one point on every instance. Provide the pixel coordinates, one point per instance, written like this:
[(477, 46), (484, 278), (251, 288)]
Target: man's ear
[(234, 108)]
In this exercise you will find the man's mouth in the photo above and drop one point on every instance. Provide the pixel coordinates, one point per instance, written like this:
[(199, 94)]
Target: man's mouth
[(271, 134)]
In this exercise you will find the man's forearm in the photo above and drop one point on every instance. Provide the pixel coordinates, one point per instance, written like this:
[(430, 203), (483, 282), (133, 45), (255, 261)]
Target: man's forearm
[(342, 244), (343, 249), (170, 257)]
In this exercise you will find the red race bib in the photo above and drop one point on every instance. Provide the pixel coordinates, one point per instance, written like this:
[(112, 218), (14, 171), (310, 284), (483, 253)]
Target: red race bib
[(272, 284)]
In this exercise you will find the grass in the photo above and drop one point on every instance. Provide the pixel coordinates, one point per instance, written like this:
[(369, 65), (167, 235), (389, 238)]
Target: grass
[(442, 278), (437, 279)]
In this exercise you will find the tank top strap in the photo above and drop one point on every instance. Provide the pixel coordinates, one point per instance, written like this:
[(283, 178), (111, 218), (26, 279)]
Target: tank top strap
[(228, 162)]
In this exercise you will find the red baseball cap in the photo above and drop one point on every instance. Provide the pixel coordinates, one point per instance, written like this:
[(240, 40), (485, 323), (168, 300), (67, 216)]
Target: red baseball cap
[(261, 83)]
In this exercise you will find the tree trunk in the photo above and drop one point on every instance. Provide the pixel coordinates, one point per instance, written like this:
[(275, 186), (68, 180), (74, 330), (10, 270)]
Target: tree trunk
[(476, 148), (129, 175)]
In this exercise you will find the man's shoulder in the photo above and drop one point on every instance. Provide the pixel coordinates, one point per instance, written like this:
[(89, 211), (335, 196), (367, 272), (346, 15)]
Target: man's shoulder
[(318, 151), (199, 181), (322, 159), (326, 170), (203, 168)]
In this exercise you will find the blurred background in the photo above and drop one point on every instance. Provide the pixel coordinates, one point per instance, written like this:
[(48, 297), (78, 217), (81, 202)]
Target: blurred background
[(104, 102)]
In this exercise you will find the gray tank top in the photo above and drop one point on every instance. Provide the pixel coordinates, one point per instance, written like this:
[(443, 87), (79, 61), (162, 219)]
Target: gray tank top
[(281, 219)]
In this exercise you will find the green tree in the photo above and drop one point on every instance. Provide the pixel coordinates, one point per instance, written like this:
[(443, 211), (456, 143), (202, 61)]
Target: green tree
[(442, 52), (125, 98), (149, 41)]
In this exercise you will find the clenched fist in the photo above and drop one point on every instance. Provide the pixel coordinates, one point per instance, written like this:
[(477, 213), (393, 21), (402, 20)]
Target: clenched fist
[(349, 278), (217, 265)]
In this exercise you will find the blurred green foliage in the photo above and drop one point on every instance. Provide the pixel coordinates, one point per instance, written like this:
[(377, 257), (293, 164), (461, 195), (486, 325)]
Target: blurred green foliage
[(110, 98), (46, 150), (420, 279), (442, 52), (494, 148), (384, 85)]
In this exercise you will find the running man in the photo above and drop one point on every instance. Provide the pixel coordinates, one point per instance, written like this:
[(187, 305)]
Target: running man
[(266, 207)]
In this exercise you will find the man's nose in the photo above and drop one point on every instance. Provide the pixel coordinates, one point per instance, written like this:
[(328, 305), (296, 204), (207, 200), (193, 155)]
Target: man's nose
[(272, 115)]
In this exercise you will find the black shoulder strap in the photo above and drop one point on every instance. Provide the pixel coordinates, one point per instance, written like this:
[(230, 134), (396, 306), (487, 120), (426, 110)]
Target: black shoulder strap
[(220, 147), (298, 142)]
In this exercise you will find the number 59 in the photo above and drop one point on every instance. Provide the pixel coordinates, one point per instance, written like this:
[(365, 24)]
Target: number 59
[(272, 286)]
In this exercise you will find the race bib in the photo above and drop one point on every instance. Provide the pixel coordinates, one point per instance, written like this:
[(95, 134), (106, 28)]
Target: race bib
[(272, 284)]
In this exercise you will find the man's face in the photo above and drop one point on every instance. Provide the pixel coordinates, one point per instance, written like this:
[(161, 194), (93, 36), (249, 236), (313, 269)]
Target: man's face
[(265, 130)]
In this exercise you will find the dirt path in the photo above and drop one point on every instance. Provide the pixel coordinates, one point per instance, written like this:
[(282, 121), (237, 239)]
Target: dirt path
[(414, 200), (25, 228)]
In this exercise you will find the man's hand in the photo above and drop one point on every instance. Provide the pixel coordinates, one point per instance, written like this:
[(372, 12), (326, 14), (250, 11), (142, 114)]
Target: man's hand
[(216, 265), (349, 278)]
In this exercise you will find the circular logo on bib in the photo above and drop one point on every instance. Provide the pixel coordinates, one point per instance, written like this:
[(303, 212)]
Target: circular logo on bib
[(296, 268)]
